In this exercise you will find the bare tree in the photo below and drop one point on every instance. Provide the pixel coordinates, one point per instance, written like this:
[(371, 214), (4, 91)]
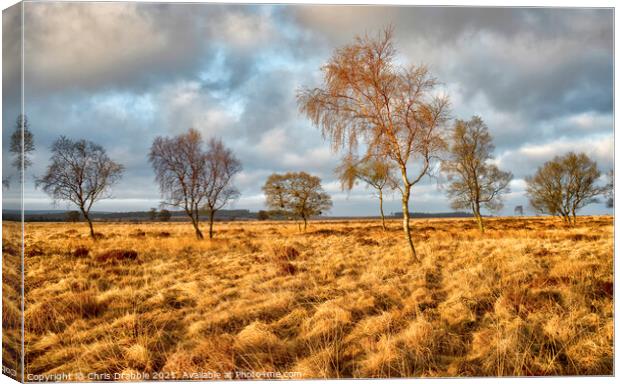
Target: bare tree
[(545, 190), (375, 173), (564, 185), (180, 165), (80, 172), (584, 175), (221, 167), (296, 194), (193, 177), (21, 146), (22, 143), (474, 181), (367, 97), (153, 214)]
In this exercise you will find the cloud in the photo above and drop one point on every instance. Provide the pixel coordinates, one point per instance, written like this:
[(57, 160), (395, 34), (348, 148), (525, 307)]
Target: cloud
[(122, 73), (90, 46), (80, 45), (525, 64), (542, 78), (244, 31), (186, 104), (316, 158), (269, 101), (11, 55), (525, 160)]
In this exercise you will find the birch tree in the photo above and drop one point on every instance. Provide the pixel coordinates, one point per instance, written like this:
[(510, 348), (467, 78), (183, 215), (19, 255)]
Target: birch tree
[(474, 181), (394, 111), (374, 173), (80, 172), (564, 185)]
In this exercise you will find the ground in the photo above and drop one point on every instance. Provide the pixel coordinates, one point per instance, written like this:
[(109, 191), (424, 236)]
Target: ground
[(528, 297)]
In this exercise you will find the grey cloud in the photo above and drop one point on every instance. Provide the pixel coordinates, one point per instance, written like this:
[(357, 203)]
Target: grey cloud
[(90, 46), (526, 159), (270, 102), (135, 71), (543, 82), (11, 56), (529, 64), (447, 25), (86, 46)]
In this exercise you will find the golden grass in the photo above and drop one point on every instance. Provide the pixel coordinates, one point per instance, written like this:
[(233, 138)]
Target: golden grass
[(529, 297), (11, 299)]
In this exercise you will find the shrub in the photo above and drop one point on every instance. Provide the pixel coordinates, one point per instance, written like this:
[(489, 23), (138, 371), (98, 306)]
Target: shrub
[(85, 305), (368, 242), (285, 253), (282, 257), (286, 268), (117, 255), (257, 347), (138, 233), (81, 251), (33, 250)]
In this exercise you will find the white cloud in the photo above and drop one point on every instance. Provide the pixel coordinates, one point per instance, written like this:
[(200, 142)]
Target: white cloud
[(69, 43), (317, 158), (273, 141), (242, 30), (590, 121), (186, 104), (524, 160)]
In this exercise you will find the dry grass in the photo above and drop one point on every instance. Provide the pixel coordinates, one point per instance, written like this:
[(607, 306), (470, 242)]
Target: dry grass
[(529, 297), (11, 298)]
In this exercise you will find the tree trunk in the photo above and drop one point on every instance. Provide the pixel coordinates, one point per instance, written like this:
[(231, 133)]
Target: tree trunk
[(211, 217), (199, 234), (480, 223), (196, 224), (381, 209), (305, 223), (92, 230), (479, 218), (406, 194), (90, 223), (566, 218)]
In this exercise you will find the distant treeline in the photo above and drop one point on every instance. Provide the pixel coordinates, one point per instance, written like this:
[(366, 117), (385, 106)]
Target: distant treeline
[(422, 215), (230, 214), (222, 215)]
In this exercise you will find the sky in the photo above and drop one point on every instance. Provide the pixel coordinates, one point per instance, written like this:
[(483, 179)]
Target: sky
[(120, 74)]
